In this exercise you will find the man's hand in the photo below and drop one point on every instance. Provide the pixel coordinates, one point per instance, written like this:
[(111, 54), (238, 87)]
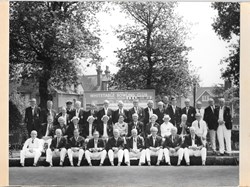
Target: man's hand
[(31, 150), (172, 150), (221, 122), (56, 150)]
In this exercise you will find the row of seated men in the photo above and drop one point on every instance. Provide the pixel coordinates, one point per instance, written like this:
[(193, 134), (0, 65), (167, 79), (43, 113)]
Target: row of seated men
[(116, 146)]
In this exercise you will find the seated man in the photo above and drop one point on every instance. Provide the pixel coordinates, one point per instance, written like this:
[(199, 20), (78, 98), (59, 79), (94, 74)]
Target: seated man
[(32, 148), (184, 127), (193, 147), (72, 126), (154, 146), (200, 128), (172, 147), (166, 127), (47, 133), (135, 148), (115, 147), (136, 124), (76, 148), (152, 123), (95, 149), (57, 148), (105, 128)]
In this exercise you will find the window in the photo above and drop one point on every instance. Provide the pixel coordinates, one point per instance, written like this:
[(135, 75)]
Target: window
[(205, 98)]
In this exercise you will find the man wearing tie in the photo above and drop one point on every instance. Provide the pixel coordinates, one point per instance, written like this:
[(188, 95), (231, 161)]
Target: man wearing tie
[(120, 111), (79, 112), (165, 100), (76, 148), (172, 147), (136, 124), (199, 109), (189, 111), (174, 113), (160, 112), (32, 148), (154, 146), (69, 109), (138, 110), (193, 147), (95, 149), (149, 111), (105, 111), (65, 116), (212, 122), (115, 146), (223, 114), (32, 117), (57, 148), (49, 111), (92, 112), (135, 148), (200, 128)]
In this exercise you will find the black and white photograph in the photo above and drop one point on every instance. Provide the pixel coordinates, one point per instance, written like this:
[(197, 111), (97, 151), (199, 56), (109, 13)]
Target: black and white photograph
[(124, 93)]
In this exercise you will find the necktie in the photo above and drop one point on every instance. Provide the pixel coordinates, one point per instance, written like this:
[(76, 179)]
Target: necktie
[(199, 110), (153, 141), (198, 124), (33, 111), (172, 139), (212, 108), (32, 141), (58, 140), (187, 110)]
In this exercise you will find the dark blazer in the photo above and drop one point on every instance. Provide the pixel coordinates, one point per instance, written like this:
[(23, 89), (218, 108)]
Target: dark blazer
[(115, 116), (190, 115), (227, 116), (113, 143), (62, 143), (188, 141), (64, 129), (210, 118), (148, 126), (101, 113), (146, 118), (141, 114), (33, 121), (43, 130), (175, 117), (160, 115), (70, 130), (81, 116), (139, 127), (59, 115), (99, 128), (100, 143), (85, 130), (168, 143), (158, 142), (88, 113), (76, 143), (140, 143), (45, 114), (70, 113)]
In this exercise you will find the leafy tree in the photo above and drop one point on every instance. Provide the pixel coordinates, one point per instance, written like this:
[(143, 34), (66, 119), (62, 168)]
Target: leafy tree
[(48, 38), (227, 26), (155, 56)]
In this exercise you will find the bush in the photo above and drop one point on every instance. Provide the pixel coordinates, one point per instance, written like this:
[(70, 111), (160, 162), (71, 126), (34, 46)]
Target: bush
[(15, 116)]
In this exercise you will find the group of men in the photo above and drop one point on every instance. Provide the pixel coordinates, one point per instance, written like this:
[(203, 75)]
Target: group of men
[(134, 133)]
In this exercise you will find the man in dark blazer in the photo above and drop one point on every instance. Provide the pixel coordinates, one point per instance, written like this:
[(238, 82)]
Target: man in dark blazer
[(175, 113), (211, 119), (148, 111), (136, 124), (64, 114), (69, 109), (154, 146), (32, 117), (114, 147), (165, 100), (138, 110), (48, 111), (172, 147), (119, 111), (92, 112), (160, 112), (224, 117), (89, 128), (95, 149), (105, 111), (57, 148), (76, 147), (193, 146), (189, 111), (79, 112), (135, 148)]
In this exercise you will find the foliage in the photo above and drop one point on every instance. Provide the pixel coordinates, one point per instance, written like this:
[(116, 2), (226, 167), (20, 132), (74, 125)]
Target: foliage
[(155, 56), (15, 116)]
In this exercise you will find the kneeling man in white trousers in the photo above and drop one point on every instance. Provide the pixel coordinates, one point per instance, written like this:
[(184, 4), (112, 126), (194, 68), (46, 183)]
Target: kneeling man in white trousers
[(57, 148), (32, 148), (193, 146), (95, 149), (115, 146), (135, 148), (172, 147)]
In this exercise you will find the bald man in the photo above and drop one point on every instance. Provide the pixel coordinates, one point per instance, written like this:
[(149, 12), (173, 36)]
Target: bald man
[(119, 111)]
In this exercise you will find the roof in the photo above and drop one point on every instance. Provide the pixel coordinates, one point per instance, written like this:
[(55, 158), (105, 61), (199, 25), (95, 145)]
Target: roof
[(201, 90)]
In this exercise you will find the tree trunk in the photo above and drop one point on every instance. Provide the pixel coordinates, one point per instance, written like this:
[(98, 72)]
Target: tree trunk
[(149, 54), (43, 89)]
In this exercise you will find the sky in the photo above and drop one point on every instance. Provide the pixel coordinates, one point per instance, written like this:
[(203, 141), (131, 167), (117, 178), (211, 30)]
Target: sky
[(207, 51)]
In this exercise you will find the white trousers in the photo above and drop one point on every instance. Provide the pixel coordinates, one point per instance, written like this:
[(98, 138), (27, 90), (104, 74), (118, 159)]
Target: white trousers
[(26, 154), (95, 156), (140, 155), (50, 154), (212, 136), (150, 153), (196, 153), (224, 133), (178, 153), (113, 155), (78, 154)]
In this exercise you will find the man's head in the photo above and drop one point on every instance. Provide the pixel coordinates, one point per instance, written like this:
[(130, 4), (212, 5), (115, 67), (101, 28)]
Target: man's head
[(134, 132), (75, 120), (64, 110), (150, 104), (105, 119), (116, 133), (121, 118), (106, 103), (135, 102), (58, 133), (173, 101), (120, 104), (33, 102), (153, 118), (61, 121), (183, 117), (76, 132), (192, 131), (173, 131), (96, 135), (165, 99), (198, 116), (160, 105), (33, 134), (198, 105), (222, 101), (187, 102), (50, 119), (92, 106), (211, 102), (78, 104), (166, 118), (153, 131), (69, 104), (90, 119), (49, 104), (135, 117)]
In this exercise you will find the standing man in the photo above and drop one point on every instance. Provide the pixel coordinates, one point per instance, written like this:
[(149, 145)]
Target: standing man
[(174, 113), (223, 114), (149, 111), (199, 109), (69, 109), (92, 112), (189, 111), (165, 100), (79, 112), (212, 122), (138, 110), (136, 124), (160, 112), (105, 111), (32, 117), (65, 116), (49, 111), (120, 111)]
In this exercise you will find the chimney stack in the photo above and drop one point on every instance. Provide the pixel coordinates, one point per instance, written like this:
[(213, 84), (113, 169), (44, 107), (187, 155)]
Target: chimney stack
[(99, 74), (107, 72)]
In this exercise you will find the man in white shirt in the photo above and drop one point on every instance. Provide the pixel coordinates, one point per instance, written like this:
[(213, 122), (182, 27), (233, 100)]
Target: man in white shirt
[(32, 148), (166, 127), (200, 128), (199, 109)]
